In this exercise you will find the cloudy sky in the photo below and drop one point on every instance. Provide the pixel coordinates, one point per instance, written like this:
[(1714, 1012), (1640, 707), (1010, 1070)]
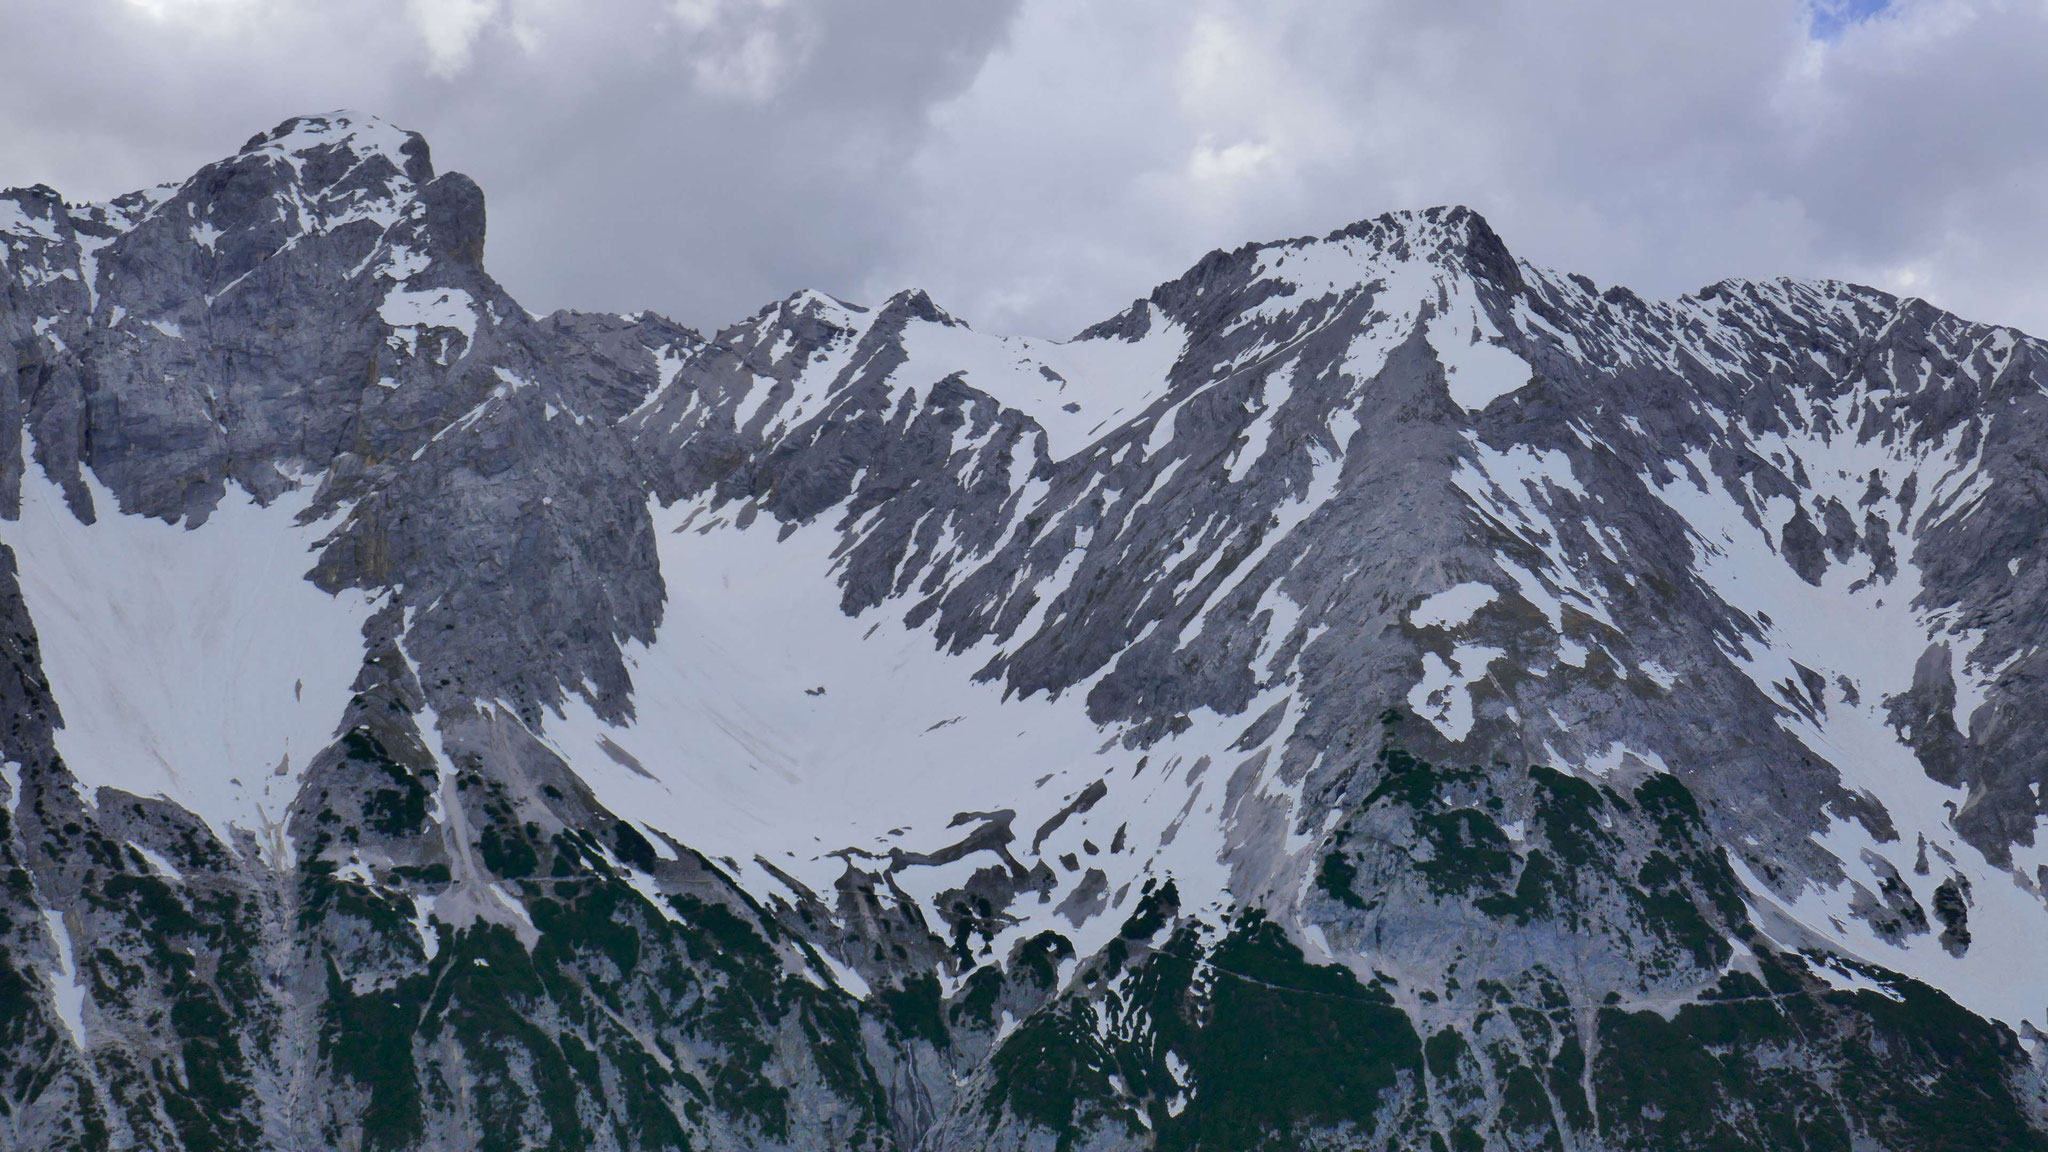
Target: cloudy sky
[(1035, 164)]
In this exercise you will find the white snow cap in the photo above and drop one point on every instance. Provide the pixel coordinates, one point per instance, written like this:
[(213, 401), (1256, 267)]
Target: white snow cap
[(362, 134)]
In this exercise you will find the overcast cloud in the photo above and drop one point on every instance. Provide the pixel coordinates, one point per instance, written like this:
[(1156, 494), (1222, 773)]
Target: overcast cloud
[(1035, 164)]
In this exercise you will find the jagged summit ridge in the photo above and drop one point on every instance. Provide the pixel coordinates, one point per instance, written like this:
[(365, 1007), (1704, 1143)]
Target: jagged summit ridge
[(1377, 612), (303, 138)]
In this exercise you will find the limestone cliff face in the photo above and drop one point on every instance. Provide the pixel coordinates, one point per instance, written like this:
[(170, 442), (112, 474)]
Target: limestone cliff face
[(1371, 692)]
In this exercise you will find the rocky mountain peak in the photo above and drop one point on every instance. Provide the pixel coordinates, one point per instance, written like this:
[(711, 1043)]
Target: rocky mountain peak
[(1407, 246), (314, 147), (1451, 235)]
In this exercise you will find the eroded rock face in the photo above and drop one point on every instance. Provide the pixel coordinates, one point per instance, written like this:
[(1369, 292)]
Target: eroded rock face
[(1371, 692)]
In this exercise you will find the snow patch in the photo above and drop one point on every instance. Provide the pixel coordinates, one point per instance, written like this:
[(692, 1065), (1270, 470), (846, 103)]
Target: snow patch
[(411, 312), (1844, 976), (1477, 370), (1452, 607), (69, 993), (1444, 694), (1074, 390), (423, 923), (194, 664), (156, 861), (739, 755), (15, 221), (1857, 629), (769, 722)]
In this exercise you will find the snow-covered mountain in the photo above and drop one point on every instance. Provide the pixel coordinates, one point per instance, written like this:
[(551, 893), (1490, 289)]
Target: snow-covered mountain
[(1371, 692)]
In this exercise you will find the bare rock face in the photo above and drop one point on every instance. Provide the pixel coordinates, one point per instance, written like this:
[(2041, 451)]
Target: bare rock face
[(1371, 692)]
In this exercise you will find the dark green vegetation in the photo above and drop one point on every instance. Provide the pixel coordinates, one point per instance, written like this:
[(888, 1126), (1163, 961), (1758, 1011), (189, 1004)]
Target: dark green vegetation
[(623, 1024), (1634, 871), (1800, 1070), (1238, 1042), (586, 1010), (183, 962)]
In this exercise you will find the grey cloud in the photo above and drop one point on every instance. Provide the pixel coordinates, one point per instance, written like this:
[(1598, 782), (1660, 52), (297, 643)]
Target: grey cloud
[(1036, 163), (651, 188), (697, 158), (1665, 146)]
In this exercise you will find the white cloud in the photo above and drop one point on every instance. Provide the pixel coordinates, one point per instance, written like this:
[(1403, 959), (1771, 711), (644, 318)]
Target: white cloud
[(449, 28), (193, 13)]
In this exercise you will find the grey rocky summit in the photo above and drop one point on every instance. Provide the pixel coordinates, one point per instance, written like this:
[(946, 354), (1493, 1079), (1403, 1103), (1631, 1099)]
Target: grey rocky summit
[(1371, 692)]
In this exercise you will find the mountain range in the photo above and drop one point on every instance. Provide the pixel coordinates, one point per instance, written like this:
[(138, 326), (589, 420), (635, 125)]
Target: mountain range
[(1372, 692)]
